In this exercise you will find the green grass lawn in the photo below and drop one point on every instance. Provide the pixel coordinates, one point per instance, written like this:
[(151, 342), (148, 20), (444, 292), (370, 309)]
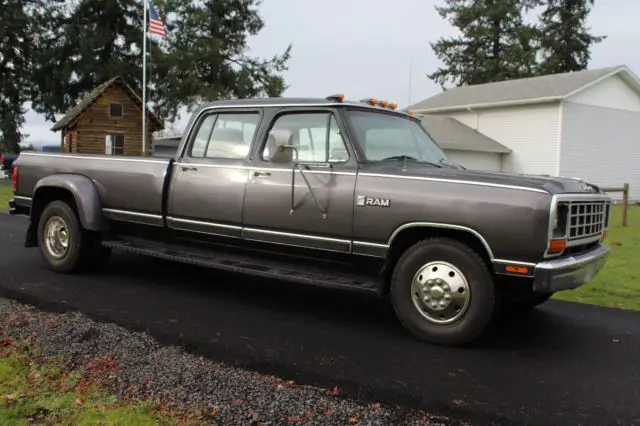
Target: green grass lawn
[(37, 390), (5, 196), (618, 283)]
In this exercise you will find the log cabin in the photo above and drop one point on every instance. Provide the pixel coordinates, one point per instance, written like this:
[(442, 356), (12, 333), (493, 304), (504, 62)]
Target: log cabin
[(107, 121)]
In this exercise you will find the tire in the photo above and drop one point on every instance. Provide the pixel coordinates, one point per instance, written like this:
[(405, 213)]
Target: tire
[(71, 249), (464, 277)]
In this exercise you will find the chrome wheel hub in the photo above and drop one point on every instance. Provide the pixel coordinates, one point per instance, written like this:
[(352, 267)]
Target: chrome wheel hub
[(56, 237), (440, 292)]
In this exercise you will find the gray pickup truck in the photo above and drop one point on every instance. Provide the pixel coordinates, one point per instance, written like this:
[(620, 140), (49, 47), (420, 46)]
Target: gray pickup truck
[(351, 195)]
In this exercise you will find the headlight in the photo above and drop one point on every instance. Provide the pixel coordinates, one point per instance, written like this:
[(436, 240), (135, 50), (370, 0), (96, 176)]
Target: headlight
[(559, 224)]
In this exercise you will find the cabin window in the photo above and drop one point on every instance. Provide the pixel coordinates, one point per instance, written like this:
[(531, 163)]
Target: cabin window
[(115, 144), (115, 110)]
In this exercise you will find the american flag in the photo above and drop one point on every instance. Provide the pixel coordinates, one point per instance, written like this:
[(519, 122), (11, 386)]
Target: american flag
[(156, 26)]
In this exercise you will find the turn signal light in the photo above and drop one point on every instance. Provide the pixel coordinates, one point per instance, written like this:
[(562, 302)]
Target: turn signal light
[(557, 246), (515, 269)]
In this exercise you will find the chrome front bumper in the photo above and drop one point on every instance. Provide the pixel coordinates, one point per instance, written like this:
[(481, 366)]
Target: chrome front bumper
[(569, 272)]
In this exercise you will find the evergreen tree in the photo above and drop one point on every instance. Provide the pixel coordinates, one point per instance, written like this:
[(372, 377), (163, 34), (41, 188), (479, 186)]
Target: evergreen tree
[(565, 40), (99, 40), (51, 64), (495, 43), (15, 52), (208, 60), (53, 52)]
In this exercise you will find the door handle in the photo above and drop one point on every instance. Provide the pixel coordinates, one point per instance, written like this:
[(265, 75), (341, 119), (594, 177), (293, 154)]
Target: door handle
[(186, 169), (261, 173), (318, 166)]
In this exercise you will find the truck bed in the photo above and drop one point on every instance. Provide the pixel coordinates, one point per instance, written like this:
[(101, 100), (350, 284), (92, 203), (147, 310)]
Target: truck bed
[(124, 182)]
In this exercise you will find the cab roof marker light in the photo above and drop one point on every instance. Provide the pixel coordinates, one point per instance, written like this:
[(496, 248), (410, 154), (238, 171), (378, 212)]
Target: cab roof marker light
[(370, 101), (376, 102), (337, 97)]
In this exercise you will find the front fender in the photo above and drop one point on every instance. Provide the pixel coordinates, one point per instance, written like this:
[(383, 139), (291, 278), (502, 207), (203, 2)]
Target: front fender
[(84, 192)]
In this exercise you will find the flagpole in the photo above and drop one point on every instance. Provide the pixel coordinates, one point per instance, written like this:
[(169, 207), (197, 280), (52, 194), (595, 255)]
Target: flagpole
[(144, 78)]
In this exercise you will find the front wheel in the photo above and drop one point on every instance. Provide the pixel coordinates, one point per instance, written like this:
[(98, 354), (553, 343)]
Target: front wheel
[(442, 292)]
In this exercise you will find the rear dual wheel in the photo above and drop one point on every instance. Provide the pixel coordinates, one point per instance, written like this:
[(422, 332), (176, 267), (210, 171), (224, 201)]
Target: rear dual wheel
[(65, 246), (442, 292)]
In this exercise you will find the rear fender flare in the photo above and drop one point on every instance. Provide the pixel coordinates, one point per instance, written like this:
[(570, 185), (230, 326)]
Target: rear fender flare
[(85, 195)]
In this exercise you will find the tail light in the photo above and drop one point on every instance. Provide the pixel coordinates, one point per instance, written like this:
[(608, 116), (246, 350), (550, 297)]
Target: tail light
[(14, 178)]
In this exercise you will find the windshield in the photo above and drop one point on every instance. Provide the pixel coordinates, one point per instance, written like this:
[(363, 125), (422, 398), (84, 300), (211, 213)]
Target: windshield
[(385, 137)]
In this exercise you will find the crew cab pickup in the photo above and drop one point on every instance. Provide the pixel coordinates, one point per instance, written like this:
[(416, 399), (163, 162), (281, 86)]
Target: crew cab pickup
[(336, 193)]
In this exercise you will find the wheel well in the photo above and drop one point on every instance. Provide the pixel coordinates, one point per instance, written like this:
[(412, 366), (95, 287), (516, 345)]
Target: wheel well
[(408, 237), (41, 199)]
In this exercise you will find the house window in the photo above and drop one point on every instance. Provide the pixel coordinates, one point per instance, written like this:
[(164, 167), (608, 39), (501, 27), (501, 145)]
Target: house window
[(115, 144), (115, 110)]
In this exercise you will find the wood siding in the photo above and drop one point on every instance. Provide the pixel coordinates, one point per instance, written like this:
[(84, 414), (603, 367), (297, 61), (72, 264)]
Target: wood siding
[(95, 124), (69, 140)]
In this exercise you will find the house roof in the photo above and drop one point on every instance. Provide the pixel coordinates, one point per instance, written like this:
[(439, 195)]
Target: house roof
[(451, 134), (74, 113), (547, 88)]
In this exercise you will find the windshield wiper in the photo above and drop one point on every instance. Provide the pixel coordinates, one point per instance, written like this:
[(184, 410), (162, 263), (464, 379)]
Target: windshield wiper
[(408, 157), (400, 157), (451, 163)]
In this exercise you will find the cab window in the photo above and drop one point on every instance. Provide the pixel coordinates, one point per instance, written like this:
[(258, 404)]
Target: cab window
[(316, 136), (225, 135)]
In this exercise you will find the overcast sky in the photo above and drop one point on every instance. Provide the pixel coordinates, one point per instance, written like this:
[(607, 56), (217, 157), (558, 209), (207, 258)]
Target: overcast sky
[(364, 48)]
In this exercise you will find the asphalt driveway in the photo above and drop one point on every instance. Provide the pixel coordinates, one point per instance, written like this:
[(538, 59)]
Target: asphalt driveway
[(563, 364)]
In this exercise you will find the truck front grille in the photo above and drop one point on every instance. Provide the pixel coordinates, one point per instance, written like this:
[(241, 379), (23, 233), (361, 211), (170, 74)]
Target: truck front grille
[(586, 219)]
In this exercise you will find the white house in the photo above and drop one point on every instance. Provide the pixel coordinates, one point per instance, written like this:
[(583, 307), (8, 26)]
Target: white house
[(464, 145), (583, 124)]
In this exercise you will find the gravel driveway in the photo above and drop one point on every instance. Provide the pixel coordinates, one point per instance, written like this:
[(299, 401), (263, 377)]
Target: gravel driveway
[(229, 395)]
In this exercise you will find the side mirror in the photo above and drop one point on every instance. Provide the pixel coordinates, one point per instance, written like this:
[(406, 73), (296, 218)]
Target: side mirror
[(279, 146)]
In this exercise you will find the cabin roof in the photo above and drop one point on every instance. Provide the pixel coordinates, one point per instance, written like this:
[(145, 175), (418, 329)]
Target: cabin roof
[(74, 113)]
